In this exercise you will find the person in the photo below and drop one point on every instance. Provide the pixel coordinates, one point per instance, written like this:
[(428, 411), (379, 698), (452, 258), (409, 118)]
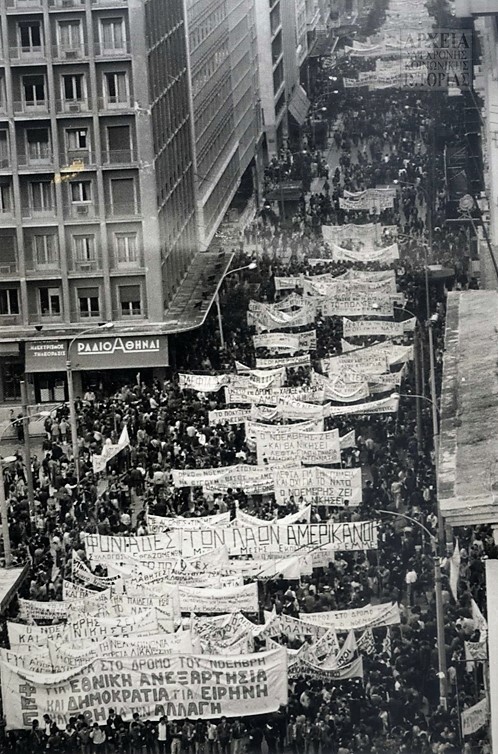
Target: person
[(175, 737), (98, 738), (162, 735), (114, 722), (224, 736), (238, 733), (84, 738), (36, 741), (200, 737)]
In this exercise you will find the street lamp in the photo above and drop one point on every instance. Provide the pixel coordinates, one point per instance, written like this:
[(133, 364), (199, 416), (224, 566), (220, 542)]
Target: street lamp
[(250, 266), (438, 590), (70, 391)]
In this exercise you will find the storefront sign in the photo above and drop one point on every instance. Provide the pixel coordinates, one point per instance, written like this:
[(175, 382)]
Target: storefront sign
[(46, 356), (120, 352)]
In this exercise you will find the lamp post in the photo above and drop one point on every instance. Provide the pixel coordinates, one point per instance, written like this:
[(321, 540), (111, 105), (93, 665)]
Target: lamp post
[(250, 266), (438, 590), (70, 394)]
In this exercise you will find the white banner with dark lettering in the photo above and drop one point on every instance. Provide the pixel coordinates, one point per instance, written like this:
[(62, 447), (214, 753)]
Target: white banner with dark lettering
[(282, 539), (361, 327), (109, 548), (281, 342), (227, 600), (387, 405), (351, 304), (360, 618), (256, 430), (229, 416), (203, 383), (304, 447), (474, 718), (178, 686), (318, 486), (291, 362)]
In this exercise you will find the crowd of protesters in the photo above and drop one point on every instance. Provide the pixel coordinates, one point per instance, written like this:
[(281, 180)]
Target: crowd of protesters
[(379, 138)]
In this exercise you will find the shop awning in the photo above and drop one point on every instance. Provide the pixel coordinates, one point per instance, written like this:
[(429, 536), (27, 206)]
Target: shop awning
[(191, 304), (299, 105)]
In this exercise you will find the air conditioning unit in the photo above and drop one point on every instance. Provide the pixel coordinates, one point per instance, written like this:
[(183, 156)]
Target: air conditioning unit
[(82, 210), (74, 107)]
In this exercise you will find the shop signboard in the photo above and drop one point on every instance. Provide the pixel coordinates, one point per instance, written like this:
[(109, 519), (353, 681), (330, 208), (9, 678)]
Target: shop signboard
[(46, 356), (120, 352)]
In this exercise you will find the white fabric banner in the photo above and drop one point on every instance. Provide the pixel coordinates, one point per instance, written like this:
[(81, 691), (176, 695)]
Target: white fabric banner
[(318, 486), (252, 479), (229, 416), (282, 539), (226, 600), (339, 389), (474, 718), (387, 405), (158, 524), (109, 451), (360, 618), (80, 572), (36, 661), (153, 546), (362, 327), (304, 447), (362, 304), (287, 283), (195, 686), (284, 361), (203, 383), (281, 342), (255, 430), (296, 410)]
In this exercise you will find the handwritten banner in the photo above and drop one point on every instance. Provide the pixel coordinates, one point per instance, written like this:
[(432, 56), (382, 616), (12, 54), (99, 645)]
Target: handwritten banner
[(147, 547), (229, 416), (226, 600), (358, 304), (286, 342), (304, 447), (474, 718), (382, 406), (203, 383), (318, 486), (178, 686)]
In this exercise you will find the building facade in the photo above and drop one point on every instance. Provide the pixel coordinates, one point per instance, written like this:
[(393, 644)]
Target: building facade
[(221, 41), (97, 202)]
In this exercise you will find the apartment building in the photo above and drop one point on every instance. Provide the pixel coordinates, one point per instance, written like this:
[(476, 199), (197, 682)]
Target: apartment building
[(97, 201), (226, 118)]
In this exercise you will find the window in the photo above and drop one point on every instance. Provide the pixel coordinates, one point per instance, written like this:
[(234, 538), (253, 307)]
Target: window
[(112, 35), (30, 36), (116, 89), (123, 196), (81, 192), (88, 302), (45, 251), (41, 197), (77, 139), (118, 141), (9, 301), (69, 35), (33, 88), (38, 144), (126, 248), (84, 248), (74, 87), (5, 198), (130, 300), (50, 302), (4, 148)]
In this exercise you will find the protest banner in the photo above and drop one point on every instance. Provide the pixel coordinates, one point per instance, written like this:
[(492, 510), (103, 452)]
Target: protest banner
[(282, 539), (474, 718), (272, 396), (157, 524), (361, 327), (281, 342), (255, 430), (226, 600), (77, 593), (109, 548), (259, 378), (318, 486), (283, 361), (387, 405), (340, 389), (270, 318), (178, 686), (252, 479), (202, 383), (476, 651), (80, 572), (36, 662), (363, 360), (229, 416), (109, 451), (348, 441), (287, 283), (292, 301), (304, 447), (264, 413), (362, 304), (360, 618), (33, 610), (304, 668), (295, 629), (65, 656), (289, 568), (297, 410)]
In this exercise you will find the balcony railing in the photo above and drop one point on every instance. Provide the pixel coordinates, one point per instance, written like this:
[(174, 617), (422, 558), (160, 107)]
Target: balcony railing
[(86, 265), (33, 213), (115, 103), (65, 3), (27, 107), (75, 158), (118, 156), (112, 52), (42, 159), (73, 106), (33, 54), (67, 54), (82, 211)]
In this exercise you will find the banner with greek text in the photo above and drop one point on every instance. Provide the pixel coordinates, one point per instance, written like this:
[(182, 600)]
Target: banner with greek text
[(203, 383), (153, 546), (33, 610), (178, 686), (229, 416), (358, 305), (80, 572), (286, 342), (270, 318), (474, 718), (252, 479), (75, 592), (318, 486), (305, 447), (361, 327), (360, 618), (36, 662), (339, 389), (300, 411), (348, 441), (158, 524), (387, 405), (255, 430), (226, 600), (287, 283), (258, 378), (289, 361), (304, 669), (292, 301), (274, 396), (363, 360), (284, 539)]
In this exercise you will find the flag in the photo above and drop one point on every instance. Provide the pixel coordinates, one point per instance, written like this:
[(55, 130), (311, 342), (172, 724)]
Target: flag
[(109, 451), (455, 570), (479, 621), (366, 643)]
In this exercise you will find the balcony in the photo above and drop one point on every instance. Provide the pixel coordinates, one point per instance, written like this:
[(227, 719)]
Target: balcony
[(73, 106), (42, 216), (26, 55), (66, 4), (101, 51), (86, 266), (119, 157), (6, 218), (27, 107), (115, 103), (41, 159), (8, 269), (28, 5), (83, 212), (75, 158), (123, 210), (69, 54)]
